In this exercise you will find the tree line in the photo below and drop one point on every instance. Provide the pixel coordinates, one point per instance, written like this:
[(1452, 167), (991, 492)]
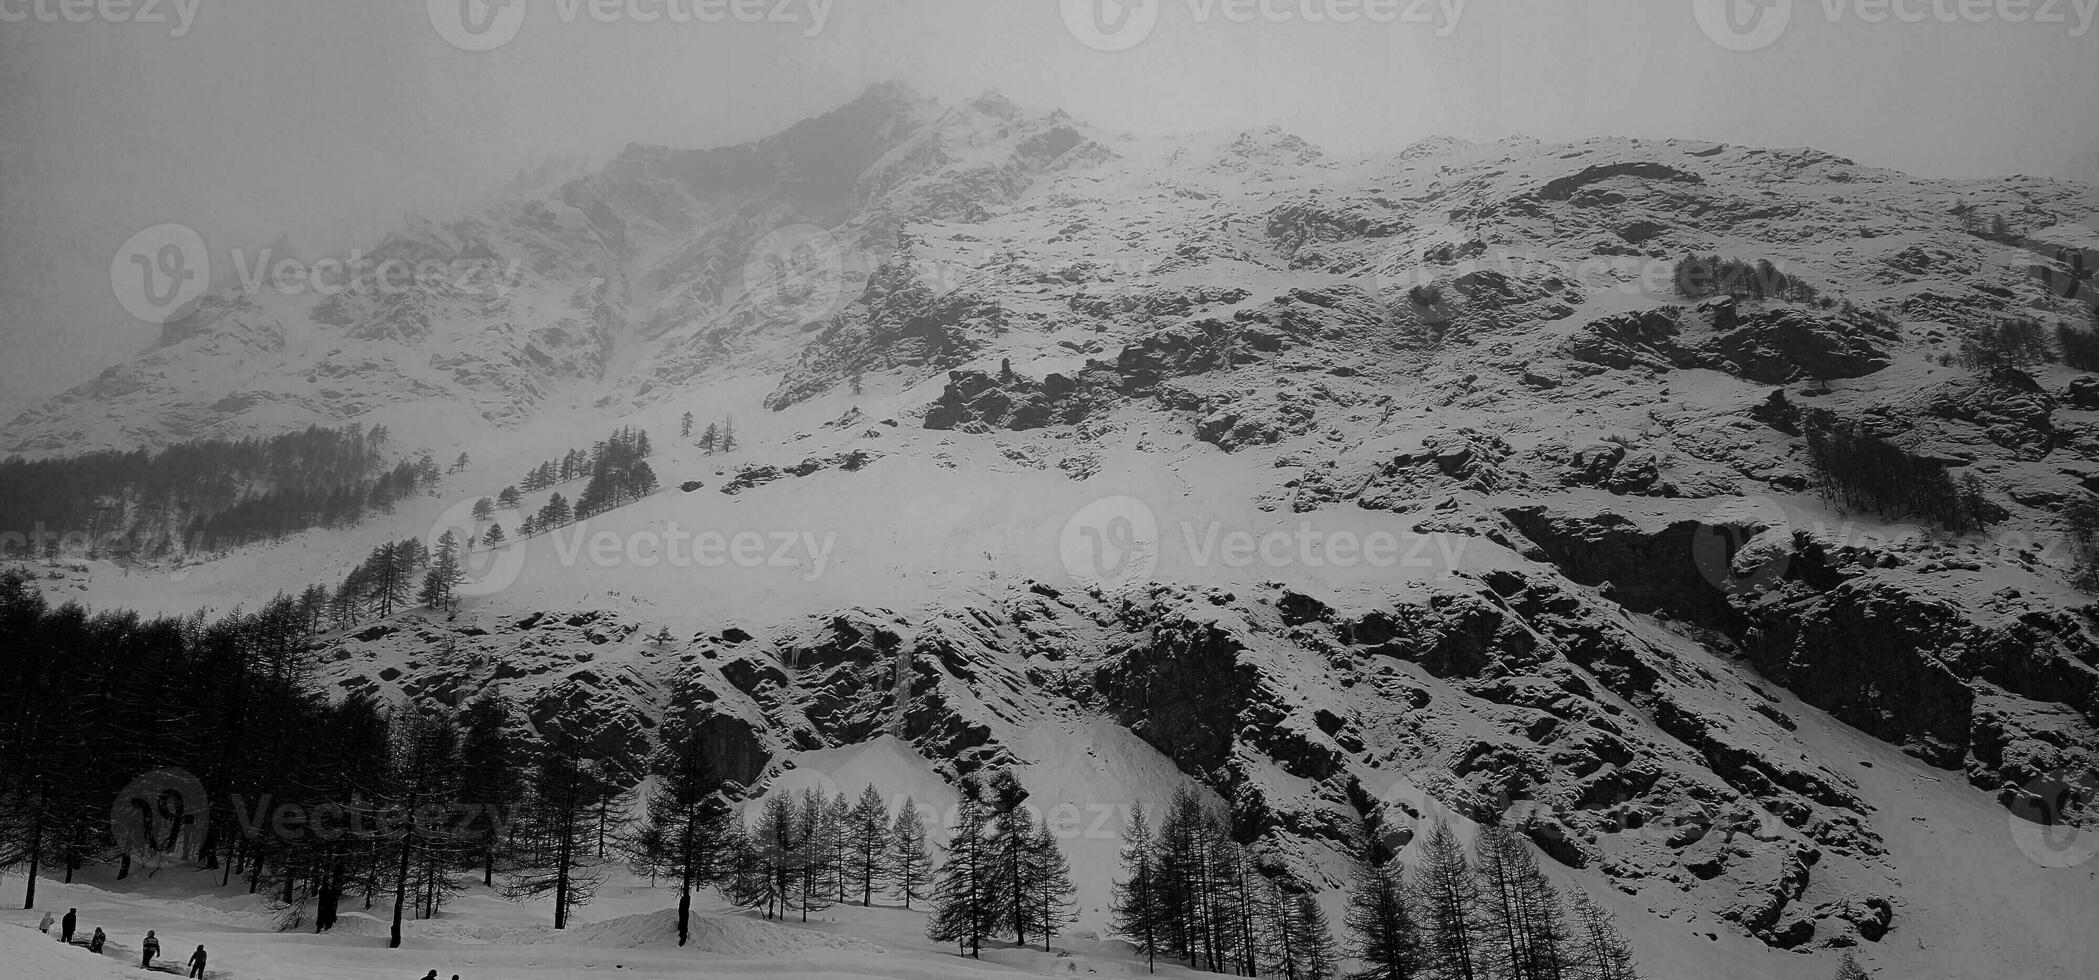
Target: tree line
[(311, 800), (1866, 472), (1190, 891), (617, 473), (2080, 346), (217, 493), (1699, 276)]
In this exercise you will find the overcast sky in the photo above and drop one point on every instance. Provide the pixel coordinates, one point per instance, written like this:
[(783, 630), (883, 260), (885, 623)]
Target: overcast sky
[(326, 121)]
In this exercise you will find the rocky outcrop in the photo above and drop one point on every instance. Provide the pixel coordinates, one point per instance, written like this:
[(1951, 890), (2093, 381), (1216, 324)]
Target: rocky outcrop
[(1565, 188), (1628, 340), (2003, 687), (1782, 346), (1008, 401)]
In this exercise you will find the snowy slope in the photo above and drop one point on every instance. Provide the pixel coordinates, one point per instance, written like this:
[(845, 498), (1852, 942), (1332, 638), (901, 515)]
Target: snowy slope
[(1618, 605)]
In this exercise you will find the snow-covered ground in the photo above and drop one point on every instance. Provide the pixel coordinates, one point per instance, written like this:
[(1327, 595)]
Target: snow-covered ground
[(1952, 857)]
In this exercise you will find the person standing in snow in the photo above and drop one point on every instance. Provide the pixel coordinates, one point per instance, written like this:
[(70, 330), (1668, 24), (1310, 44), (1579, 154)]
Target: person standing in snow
[(196, 962), (94, 942), (65, 925), (45, 926), (148, 950)]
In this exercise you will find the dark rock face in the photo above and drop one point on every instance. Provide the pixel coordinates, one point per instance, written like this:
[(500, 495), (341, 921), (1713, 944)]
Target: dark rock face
[(2009, 408), (1465, 459), (1627, 340), (1882, 648), (1182, 692), (1012, 402), (1190, 348), (1864, 651), (1564, 188), (2082, 394), (760, 475), (1776, 346), (1787, 345)]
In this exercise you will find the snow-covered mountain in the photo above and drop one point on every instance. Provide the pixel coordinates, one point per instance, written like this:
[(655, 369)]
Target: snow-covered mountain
[(959, 342)]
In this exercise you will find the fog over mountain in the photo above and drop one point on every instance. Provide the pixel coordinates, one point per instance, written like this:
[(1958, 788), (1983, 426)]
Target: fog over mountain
[(328, 123), (932, 490)]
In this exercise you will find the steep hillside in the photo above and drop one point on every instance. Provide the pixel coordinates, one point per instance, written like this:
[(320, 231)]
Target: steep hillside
[(1079, 453)]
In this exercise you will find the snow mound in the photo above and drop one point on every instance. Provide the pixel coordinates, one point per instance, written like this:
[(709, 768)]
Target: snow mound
[(32, 954)]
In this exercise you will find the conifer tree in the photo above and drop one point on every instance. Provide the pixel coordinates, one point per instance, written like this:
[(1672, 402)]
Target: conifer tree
[(685, 425), (494, 537), (1450, 902), (426, 776), (508, 498), (814, 864), (558, 820), (1848, 969), (1133, 909), (489, 763), (1603, 952), (868, 839), (1011, 837), (1047, 890), (1321, 959), (910, 864), (444, 574), (1381, 924), (1281, 936), (685, 817), (484, 508), (768, 863), (838, 846), (966, 893), (1520, 908), (554, 513)]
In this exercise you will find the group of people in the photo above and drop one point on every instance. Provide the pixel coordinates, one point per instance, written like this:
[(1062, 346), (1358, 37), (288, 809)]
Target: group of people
[(148, 950)]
